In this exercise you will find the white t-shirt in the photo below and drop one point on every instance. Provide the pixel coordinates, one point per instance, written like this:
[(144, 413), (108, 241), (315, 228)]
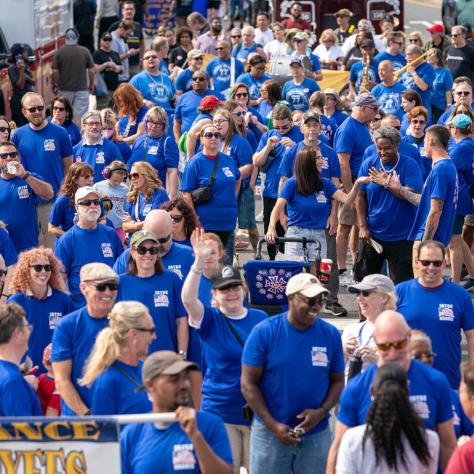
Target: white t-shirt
[(263, 37), (364, 333), (327, 55), (351, 459), (274, 49)]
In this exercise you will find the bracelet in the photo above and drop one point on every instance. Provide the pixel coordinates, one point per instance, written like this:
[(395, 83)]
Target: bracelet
[(87, 413), (195, 270), (26, 176), (183, 353)]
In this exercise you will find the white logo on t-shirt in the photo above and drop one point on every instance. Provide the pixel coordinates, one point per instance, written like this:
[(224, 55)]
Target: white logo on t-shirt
[(183, 457), (153, 150), (445, 312), (107, 250), (420, 404), (160, 298), (319, 357), (321, 197), (228, 172), (54, 317), (100, 158), (49, 144), (176, 269), (23, 192)]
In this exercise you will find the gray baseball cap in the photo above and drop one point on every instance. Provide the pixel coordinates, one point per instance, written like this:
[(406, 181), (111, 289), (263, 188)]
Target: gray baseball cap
[(373, 282), (365, 99)]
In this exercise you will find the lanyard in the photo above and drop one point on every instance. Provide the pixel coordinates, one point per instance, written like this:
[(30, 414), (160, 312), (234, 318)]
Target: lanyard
[(359, 336)]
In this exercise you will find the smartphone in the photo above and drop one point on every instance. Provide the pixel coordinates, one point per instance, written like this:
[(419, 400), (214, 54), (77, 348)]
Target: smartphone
[(19, 59)]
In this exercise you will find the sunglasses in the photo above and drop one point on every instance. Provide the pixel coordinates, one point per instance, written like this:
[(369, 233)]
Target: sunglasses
[(365, 293), (59, 109), (38, 108), (242, 94), (143, 250), (11, 154), (3, 273), (219, 49), (199, 78), (233, 287), (240, 114), (397, 345), (236, 36), (106, 39), (424, 355), (4, 129), (149, 330), (436, 263), (177, 218), (210, 135), (315, 300), (134, 175), (459, 94), (88, 202), (418, 122), (101, 287), (38, 268), (163, 240), (146, 58)]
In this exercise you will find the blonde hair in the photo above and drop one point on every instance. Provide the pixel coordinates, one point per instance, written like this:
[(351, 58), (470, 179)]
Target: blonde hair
[(124, 316), (328, 35), (153, 182)]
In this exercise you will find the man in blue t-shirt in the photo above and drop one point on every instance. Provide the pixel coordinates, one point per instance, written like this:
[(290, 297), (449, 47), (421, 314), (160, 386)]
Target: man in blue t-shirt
[(17, 397), (46, 150), (86, 242), (381, 214), (220, 69), (440, 308), (192, 442), (292, 375), (437, 204), (93, 149), (350, 141), (393, 52), (429, 391), (75, 335), (364, 73)]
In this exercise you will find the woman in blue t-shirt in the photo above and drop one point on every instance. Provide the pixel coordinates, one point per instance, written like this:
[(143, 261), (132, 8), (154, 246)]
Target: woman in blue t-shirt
[(62, 115), (114, 367), (146, 193), (223, 330), (309, 201), (62, 214), (38, 286), (255, 77), (158, 148), (184, 220), (441, 95)]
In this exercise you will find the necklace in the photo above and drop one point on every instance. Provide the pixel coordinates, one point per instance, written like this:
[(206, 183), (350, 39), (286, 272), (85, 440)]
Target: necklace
[(393, 169)]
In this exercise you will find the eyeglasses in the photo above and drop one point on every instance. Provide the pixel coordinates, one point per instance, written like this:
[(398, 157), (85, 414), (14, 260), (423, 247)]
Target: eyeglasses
[(134, 175), (4, 129), (28, 326), (143, 250), (424, 355), (101, 287), (152, 122), (37, 268), (282, 127), (11, 154), (365, 293), (93, 124), (397, 345), (276, 31), (146, 58), (233, 287), (458, 93), (59, 109), (375, 119), (3, 273), (199, 78), (418, 122), (149, 330), (315, 300), (219, 49), (88, 202), (210, 135), (176, 218), (236, 36), (436, 263), (242, 94), (219, 121), (38, 108), (400, 43), (259, 68)]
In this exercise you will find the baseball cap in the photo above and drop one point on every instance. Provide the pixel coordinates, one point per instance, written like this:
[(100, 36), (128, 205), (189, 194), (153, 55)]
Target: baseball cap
[(210, 103), (373, 282), (106, 35), (460, 121), (226, 276), (164, 363), (296, 59), (343, 12), (71, 35), (195, 53), (140, 237), (301, 36), (367, 43), (306, 284), (332, 91), (17, 48), (117, 166), (365, 99), (83, 192), (436, 28), (97, 272), (311, 115)]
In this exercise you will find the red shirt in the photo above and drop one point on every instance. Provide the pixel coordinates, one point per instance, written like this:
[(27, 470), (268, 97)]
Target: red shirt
[(462, 460), (47, 393), (289, 23)]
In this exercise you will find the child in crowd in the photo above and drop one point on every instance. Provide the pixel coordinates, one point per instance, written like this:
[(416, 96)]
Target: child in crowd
[(47, 393)]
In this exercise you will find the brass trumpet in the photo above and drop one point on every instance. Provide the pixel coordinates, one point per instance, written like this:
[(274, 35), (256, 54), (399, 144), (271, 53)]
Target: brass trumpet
[(423, 56)]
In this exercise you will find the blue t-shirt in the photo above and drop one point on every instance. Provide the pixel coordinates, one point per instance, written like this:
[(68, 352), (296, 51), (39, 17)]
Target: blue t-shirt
[(463, 426), (426, 72), (146, 205), (161, 294), (428, 389), (72, 130), (331, 167), (390, 218), (179, 260), (309, 212), (443, 82), (297, 365), (441, 183), (162, 153), (187, 105), (254, 83), (397, 60), (133, 128), (220, 72), (328, 129), (17, 397), (124, 149), (352, 137), (357, 74), (18, 212), (338, 117), (62, 213), (7, 248), (390, 98), (240, 151), (43, 151), (242, 52), (444, 118), (220, 213), (173, 451), (271, 166), (440, 312), (44, 315), (73, 340), (157, 89), (98, 156), (114, 394), (184, 81), (298, 95), (80, 246), (462, 154), (418, 143), (221, 392)]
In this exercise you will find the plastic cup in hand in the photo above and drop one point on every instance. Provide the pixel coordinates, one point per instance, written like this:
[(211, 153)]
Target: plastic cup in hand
[(325, 270)]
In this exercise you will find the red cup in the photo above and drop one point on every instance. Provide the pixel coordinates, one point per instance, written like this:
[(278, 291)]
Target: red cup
[(325, 270)]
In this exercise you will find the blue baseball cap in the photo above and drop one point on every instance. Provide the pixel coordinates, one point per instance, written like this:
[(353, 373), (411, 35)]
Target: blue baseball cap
[(461, 121)]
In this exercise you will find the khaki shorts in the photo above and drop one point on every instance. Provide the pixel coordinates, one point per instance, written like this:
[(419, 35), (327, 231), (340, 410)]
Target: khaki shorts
[(469, 220), (346, 215)]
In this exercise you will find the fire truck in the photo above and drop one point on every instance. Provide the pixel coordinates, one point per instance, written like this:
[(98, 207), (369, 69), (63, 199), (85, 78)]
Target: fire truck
[(41, 25)]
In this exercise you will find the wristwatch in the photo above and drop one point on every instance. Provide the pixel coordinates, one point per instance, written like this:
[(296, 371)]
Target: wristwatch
[(183, 353)]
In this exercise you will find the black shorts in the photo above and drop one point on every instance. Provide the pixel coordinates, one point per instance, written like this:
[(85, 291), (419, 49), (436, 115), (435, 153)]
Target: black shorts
[(215, 4)]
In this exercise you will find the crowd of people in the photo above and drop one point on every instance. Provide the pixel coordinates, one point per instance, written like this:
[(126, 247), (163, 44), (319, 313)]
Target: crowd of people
[(120, 292)]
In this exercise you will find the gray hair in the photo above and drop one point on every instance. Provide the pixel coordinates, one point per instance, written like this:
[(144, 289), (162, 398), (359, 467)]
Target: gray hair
[(390, 133), (158, 43), (87, 116)]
